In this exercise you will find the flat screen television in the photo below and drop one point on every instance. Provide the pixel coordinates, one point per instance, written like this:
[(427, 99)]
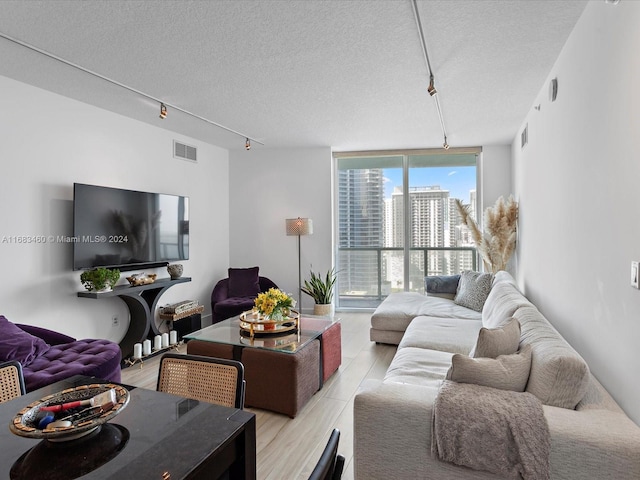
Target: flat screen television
[(127, 229)]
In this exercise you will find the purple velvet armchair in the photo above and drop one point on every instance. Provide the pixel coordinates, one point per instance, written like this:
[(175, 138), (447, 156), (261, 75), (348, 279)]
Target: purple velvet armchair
[(47, 356), (233, 295)]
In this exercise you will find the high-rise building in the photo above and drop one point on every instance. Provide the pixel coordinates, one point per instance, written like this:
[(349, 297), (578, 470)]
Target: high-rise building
[(429, 217), (361, 224)]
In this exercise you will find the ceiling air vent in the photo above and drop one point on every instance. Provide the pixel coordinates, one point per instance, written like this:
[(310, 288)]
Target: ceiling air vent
[(524, 136), (185, 152)]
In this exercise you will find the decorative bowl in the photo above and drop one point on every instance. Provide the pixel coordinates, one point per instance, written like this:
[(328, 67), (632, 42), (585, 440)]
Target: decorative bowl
[(24, 423), (142, 279)]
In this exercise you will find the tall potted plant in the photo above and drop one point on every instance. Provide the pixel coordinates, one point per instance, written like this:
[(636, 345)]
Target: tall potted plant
[(321, 290)]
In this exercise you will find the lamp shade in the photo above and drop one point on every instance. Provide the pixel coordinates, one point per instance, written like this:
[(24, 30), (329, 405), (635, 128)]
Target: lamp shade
[(299, 226)]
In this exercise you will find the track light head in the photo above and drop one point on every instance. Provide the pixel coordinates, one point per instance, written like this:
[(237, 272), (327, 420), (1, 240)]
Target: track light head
[(247, 144), (431, 89), (163, 111)]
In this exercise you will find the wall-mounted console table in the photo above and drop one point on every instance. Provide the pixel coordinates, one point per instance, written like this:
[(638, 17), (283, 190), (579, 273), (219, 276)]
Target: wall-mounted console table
[(142, 301)]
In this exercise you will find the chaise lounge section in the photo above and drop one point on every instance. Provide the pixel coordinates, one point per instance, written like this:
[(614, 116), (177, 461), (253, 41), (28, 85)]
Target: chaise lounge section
[(47, 356), (590, 436)]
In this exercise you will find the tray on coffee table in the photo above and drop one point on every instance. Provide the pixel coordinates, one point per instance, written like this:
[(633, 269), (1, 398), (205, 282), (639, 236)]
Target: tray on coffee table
[(252, 324)]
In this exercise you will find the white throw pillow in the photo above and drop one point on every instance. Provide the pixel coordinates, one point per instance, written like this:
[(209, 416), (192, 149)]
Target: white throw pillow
[(507, 372), (493, 342), (473, 289)]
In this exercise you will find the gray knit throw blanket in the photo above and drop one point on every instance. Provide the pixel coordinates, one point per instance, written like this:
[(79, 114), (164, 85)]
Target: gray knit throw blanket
[(497, 431)]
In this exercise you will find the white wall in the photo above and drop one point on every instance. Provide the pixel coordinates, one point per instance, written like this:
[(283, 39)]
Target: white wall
[(48, 143), (267, 187), (496, 180), (495, 174), (577, 182)]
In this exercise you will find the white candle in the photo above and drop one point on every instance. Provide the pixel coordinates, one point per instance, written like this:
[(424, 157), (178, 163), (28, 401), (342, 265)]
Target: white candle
[(137, 350), (173, 337), (165, 340), (157, 342), (146, 347)]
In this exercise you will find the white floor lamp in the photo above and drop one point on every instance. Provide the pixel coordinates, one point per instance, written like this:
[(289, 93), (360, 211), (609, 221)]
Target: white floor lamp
[(299, 226)]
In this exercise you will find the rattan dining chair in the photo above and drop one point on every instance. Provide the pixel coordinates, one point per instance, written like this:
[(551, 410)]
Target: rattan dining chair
[(11, 381), (331, 463), (213, 380)]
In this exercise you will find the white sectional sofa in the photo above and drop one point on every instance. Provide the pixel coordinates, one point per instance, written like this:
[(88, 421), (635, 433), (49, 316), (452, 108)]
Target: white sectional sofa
[(591, 437)]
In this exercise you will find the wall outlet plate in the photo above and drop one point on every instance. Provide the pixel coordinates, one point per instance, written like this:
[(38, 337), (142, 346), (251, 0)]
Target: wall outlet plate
[(634, 275)]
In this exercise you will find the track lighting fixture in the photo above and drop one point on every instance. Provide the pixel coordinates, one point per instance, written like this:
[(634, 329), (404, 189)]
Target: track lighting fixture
[(247, 144), (163, 106), (431, 88)]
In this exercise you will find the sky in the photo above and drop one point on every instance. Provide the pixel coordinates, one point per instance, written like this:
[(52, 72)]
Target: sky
[(458, 180)]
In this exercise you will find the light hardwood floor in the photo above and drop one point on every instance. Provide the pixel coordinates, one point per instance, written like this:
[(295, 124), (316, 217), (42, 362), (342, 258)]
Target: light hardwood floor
[(289, 448)]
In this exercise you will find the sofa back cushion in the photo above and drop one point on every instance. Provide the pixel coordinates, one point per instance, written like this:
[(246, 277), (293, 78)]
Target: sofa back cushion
[(503, 300), (19, 345), (559, 375), (493, 342), (504, 277), (244, 282)]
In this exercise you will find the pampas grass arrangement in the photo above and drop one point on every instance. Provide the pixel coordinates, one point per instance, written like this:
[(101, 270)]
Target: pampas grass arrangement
[(498, 242)]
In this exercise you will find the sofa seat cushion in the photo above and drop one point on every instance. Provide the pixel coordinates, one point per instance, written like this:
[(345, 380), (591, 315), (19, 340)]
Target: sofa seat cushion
[(559, 375), (418, 366), (389, 337), (443, 334), (232, 305), (398, 309), (97, 358)]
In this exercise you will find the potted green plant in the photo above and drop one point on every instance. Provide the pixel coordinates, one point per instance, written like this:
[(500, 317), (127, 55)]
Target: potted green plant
[(100, 279), (321, 290)]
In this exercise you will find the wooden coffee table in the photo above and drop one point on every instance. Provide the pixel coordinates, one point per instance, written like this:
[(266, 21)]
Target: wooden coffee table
[(282, 372)]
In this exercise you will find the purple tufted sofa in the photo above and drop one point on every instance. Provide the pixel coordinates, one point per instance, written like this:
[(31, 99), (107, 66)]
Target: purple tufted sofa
[(47, 356)]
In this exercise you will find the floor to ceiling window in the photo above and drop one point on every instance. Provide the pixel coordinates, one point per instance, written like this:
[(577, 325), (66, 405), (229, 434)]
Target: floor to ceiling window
[(397, 221)]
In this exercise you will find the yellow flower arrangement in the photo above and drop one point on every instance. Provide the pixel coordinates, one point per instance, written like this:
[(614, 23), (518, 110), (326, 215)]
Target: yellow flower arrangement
[(273, 304)]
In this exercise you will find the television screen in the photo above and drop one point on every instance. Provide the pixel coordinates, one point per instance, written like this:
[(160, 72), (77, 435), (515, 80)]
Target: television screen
[(127, 229)]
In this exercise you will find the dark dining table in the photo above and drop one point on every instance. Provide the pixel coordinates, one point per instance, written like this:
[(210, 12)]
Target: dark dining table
[(156, 436)]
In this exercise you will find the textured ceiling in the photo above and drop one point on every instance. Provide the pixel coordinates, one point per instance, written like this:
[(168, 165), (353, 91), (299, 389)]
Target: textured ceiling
[(349, 74)]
